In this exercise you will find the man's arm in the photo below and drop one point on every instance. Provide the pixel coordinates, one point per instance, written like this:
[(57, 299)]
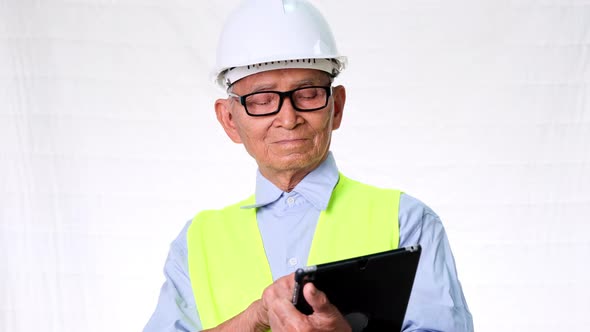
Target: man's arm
[(176, 310), (437, 302)]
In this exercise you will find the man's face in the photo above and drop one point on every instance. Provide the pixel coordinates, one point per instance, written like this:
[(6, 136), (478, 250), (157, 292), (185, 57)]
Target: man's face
[(289, 141)]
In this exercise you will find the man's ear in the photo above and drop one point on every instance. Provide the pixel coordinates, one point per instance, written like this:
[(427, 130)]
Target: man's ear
[(225, 118), (339, 95)]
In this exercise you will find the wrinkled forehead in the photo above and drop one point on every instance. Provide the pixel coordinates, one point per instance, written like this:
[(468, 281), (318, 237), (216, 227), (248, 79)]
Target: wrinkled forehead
[(281, 79)]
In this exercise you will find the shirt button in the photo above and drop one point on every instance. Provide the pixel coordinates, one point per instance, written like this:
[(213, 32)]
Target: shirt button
[(292, 261), (290, 200)]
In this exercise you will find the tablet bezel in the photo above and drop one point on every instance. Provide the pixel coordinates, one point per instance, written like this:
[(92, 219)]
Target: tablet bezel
[(376, 287)]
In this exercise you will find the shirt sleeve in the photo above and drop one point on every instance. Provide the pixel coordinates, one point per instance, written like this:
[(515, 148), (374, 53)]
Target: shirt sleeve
[(176, 310), (437, 302)]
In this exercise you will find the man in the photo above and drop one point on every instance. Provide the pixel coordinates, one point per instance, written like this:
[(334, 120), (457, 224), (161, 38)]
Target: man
[(231, 269)]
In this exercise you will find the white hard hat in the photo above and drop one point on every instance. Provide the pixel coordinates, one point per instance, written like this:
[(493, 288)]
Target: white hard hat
[(263, 35)]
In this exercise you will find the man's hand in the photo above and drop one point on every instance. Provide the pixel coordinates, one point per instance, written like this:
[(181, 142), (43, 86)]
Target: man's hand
[(283, 316), (275, 311)]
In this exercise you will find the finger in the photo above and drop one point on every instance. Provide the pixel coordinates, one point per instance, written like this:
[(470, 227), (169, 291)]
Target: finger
[(287, 281), (260, 311), (316, 298), (281, 287), (283, 316)]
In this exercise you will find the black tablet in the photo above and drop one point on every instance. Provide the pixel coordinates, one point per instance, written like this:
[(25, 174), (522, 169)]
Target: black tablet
[(371, 292)]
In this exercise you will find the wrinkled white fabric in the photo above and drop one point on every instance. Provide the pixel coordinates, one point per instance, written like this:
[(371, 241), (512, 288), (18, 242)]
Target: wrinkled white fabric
[(109, 142)]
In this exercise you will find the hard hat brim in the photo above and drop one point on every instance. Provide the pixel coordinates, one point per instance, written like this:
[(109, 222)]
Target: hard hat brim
[(229, 76)]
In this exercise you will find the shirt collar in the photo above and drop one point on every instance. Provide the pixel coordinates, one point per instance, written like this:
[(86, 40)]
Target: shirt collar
[(316, 186)]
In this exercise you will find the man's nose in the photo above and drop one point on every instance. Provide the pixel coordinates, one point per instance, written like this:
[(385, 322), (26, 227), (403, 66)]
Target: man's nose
[(288, 116)]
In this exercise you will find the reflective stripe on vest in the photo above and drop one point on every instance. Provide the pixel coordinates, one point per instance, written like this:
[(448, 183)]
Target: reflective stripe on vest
[(226, 259)]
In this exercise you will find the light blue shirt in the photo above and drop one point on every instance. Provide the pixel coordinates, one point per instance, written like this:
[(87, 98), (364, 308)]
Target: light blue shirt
[(287, 222)]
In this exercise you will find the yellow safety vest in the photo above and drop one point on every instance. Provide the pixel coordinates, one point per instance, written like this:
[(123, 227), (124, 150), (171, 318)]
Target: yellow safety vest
[(227, 264)]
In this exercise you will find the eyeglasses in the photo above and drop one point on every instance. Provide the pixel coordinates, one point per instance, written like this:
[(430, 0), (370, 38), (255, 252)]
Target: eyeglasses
[(305, 99)]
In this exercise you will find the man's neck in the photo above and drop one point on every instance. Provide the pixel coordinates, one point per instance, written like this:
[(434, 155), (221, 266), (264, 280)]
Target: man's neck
[(285, 180)]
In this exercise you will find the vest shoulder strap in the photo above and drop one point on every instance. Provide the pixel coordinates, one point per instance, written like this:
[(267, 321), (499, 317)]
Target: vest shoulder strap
[(226, 262), (360, 220)]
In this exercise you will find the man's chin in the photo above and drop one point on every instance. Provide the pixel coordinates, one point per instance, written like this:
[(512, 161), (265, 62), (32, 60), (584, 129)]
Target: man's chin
[(296, 161)]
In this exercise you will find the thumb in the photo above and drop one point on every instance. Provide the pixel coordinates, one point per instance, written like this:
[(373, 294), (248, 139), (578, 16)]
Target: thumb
[(316, 298)]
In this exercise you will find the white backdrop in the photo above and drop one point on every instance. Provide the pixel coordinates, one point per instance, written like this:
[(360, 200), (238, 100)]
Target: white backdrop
[(109, 144)]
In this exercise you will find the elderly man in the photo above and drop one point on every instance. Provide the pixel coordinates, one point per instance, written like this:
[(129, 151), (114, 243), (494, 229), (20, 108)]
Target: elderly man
[(232, 269)]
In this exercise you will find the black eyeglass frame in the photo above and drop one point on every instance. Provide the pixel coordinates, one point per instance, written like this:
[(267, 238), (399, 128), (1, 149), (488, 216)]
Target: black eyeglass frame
[(282, 95)]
